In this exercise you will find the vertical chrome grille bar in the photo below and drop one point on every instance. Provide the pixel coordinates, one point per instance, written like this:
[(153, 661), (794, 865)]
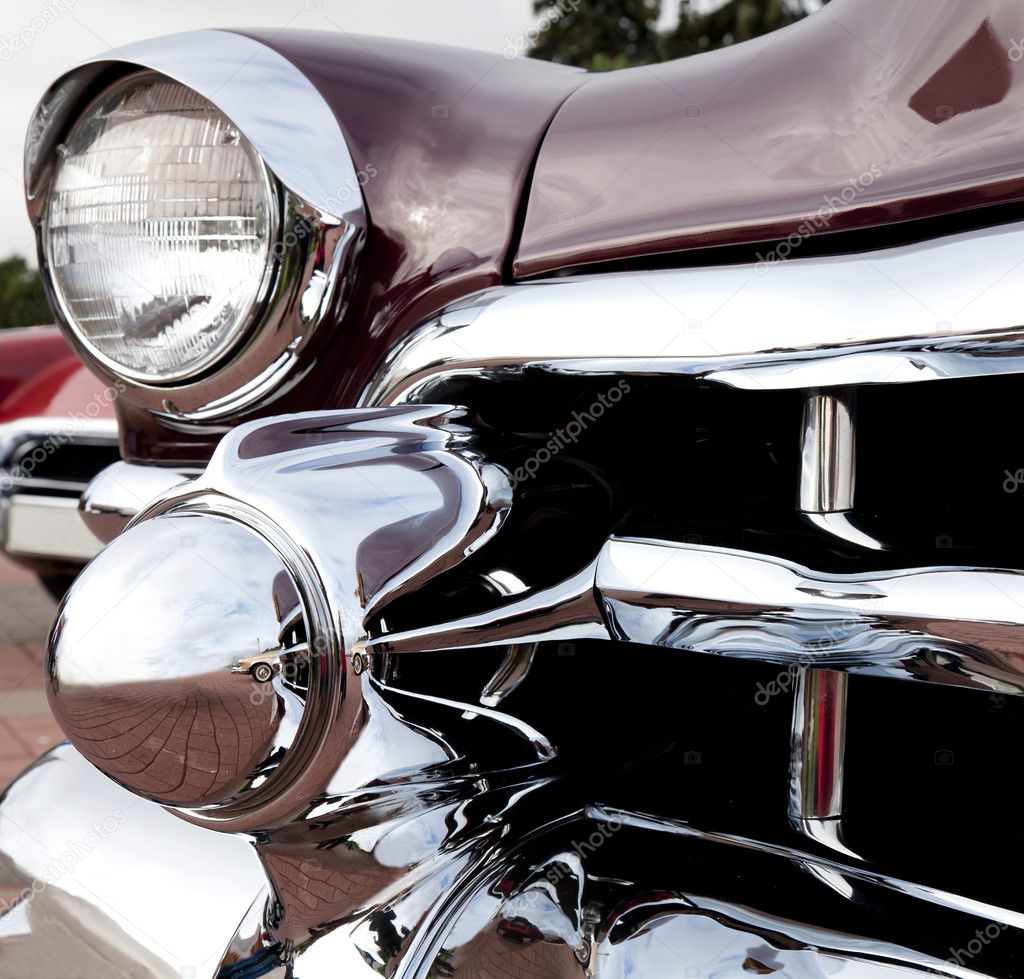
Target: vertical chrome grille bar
[(827, 482), (828, 471)]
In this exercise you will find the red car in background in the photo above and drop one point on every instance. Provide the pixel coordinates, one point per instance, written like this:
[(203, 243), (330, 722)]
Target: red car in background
[(57, 431)]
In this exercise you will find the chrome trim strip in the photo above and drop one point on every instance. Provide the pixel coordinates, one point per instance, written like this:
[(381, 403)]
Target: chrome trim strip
[(937, 309), (14, 435), (323, 216), (921, 892), (565, 612), (38, 525)]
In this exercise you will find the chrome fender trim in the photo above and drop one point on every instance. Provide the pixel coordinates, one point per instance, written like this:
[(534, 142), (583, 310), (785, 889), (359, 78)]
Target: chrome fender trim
[(264, 94)]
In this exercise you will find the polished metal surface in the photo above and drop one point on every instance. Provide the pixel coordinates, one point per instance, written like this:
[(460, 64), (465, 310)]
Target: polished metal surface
[(38, 513), (413, 835), (282, 554), (566, 611), (109, 884), (828, 465), (120, 491), (819, 717), (549, 912), (96, 882), (323, 215), (274, 105), (141, 670), (938, 309), (510, 674), (818, 754), (953, 625), (827, 453), (49, 527), (47, 433)]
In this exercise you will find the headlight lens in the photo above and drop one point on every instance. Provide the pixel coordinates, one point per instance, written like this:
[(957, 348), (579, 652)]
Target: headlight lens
[(159, 229)]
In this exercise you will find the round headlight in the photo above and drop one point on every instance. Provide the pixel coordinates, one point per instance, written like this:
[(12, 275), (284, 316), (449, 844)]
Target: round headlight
[(159, 229)]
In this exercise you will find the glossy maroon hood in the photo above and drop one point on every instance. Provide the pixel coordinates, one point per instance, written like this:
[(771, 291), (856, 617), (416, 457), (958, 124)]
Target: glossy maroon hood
[(867, 112)]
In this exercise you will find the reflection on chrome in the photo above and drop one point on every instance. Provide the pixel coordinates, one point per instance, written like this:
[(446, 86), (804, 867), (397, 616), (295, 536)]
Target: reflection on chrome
[(810, 323), (961, 626), (145, 656), (233, 655), (119, 492), (97, 882)]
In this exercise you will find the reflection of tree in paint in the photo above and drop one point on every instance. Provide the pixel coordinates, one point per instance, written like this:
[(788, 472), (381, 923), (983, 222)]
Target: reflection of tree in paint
[(605, 34)]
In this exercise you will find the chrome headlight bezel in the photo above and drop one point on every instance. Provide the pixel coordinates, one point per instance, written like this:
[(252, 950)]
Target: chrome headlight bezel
[(249, 318), (319, 216)]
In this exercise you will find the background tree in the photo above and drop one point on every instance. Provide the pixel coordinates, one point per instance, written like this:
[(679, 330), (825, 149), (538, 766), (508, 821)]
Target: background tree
[(598, 34), (730, 23), (605, 34), (22, 302)]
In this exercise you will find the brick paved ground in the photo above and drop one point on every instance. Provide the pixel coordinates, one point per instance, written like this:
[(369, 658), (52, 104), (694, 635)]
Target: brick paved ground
[(26, 727)]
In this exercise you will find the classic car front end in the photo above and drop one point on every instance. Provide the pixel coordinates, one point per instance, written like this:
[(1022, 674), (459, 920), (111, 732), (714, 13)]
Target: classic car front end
[(561, 529)]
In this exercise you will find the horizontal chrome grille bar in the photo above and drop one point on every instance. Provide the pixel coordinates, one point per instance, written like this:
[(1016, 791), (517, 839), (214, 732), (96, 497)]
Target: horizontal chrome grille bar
[(963, 626), (938, 309)]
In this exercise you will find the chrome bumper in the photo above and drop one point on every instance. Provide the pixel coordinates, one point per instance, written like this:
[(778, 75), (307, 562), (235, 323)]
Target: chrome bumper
[(49, 513), (39, 499), (95, 882)]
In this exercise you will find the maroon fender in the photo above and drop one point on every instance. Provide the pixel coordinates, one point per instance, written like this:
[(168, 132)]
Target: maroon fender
[(866, 113)]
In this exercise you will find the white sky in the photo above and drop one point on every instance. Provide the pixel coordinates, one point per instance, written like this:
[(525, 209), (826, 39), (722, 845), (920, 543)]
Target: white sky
[(82, 28)]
